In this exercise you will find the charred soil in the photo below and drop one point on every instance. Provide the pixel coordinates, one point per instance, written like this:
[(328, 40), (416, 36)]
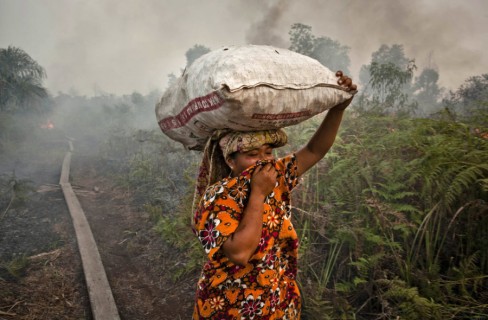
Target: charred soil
[(41, 276)]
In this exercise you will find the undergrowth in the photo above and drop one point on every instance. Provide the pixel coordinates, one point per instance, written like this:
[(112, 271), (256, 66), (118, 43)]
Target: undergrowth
[(14, 268), (14, 192), (392, 222), (405, 202)]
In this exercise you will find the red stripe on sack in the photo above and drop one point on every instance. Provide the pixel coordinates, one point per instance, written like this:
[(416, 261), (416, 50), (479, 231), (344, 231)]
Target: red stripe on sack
[(209, 102), (281, 116)]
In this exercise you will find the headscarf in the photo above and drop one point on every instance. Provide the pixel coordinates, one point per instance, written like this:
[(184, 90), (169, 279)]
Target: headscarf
[(221, 145)]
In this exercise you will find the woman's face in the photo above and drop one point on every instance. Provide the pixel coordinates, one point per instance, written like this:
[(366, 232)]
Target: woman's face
[(243, 160)]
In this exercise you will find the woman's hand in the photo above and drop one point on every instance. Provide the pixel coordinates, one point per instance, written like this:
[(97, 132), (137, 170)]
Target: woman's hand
[(346, 82), (264, 179)]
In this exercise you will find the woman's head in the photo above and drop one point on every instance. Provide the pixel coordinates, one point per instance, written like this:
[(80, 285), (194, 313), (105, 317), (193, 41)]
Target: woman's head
[(236, 149), (240, 160), (243, 149)]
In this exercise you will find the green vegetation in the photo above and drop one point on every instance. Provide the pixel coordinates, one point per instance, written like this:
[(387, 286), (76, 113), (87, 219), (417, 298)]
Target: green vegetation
[(14, 268), (13, 193), (400, 206), (20, 80)]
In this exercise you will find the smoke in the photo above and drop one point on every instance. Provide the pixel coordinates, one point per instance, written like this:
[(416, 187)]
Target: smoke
[(121, 47), (425, 29), (267, 31)]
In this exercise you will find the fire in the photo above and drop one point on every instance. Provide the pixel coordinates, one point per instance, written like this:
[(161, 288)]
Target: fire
[(47, 125)]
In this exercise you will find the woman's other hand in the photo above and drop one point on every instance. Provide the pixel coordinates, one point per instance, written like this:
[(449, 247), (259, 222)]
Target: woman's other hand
[(264, 179)]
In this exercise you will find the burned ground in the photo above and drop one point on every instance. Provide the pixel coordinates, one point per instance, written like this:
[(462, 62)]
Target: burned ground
[(41, 276)]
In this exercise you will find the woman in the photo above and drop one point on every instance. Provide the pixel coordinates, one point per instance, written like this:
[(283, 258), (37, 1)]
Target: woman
[(243, 221)]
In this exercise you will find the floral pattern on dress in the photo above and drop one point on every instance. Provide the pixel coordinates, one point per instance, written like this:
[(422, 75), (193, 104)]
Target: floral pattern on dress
[(251, 307), (238, 191), (264, 288), (208, 236)]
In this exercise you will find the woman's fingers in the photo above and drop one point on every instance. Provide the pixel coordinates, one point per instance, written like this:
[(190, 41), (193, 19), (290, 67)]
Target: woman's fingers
[(264, 179), (271, 170), (266, 169), (345, 81)]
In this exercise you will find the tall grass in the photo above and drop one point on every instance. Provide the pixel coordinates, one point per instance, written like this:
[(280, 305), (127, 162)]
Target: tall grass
[(407, 199)]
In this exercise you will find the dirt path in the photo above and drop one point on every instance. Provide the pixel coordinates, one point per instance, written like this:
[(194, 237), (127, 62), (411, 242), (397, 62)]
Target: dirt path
[(40, 271), (135, 257), (51, 286)]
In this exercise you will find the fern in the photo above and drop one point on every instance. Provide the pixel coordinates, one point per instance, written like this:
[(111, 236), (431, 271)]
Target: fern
[(392, 188), (406, 302)]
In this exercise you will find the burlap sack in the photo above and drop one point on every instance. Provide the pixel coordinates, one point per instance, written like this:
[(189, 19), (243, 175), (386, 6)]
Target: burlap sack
[(246, 88)]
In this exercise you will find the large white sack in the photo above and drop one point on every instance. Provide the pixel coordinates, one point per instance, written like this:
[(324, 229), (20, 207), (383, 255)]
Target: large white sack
[(246, 88)]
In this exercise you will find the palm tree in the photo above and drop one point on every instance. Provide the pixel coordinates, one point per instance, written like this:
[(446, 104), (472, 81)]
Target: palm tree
[(20, 79)]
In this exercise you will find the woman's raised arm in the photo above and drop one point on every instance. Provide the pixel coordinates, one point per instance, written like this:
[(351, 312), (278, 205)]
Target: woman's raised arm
[(324, 137)]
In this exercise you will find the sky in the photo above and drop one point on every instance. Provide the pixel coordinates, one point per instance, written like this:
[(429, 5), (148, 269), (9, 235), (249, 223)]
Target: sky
[(92, 47)]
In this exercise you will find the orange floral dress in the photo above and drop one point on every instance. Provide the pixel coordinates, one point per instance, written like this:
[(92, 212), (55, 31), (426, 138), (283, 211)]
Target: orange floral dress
[(265, 288)]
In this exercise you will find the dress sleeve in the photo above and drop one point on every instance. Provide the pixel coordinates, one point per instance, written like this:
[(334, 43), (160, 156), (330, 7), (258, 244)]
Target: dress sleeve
[(216, 218), (289, 164)]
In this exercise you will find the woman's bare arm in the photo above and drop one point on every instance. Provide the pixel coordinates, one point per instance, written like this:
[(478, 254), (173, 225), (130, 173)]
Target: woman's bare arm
[(242, 244), (321, 141), (324, 137)]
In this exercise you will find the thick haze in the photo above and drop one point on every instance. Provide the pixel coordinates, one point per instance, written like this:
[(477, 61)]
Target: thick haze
[(113, 46)]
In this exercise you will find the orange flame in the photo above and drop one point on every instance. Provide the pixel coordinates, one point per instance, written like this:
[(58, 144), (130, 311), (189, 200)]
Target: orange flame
[(48, 125)]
